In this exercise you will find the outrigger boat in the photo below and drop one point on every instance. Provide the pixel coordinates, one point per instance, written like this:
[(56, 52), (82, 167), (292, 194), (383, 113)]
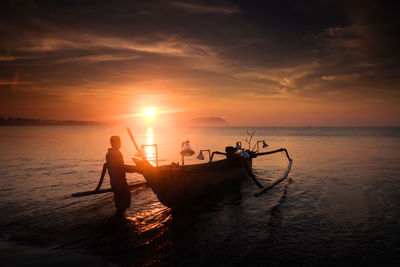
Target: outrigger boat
[(176, 185)]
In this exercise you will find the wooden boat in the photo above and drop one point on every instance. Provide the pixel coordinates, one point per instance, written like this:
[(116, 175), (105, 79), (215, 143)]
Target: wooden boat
[(176, 185)]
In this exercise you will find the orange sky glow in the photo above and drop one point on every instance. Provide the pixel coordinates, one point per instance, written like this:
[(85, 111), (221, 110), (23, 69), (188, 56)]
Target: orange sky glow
[(225, 62)]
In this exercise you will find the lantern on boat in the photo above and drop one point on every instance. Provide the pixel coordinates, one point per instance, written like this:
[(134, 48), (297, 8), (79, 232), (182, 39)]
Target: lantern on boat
[(264, 145), (186, 150), (238, 145), (245, 155), (200, 156)]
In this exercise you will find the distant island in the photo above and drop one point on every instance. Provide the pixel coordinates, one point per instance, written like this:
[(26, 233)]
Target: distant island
[(207, 121), (12, 121), (38, 122)]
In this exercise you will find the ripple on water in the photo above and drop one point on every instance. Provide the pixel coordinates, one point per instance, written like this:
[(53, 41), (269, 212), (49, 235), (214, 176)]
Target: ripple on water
[(341, 208)]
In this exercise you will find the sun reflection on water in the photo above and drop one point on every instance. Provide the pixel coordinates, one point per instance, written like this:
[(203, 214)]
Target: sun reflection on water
[(150, 136), (155, 217), (149, 149)]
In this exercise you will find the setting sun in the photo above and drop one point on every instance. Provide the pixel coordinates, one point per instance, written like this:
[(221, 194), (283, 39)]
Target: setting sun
[(149, 113)]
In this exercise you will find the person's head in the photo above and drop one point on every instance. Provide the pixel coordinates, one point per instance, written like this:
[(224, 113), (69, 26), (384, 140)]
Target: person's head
[(115, 141)]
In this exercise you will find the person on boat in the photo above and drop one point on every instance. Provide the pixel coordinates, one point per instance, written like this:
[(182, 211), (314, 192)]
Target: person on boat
[(117, 172)]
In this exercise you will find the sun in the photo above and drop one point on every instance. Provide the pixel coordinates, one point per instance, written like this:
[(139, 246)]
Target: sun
[(149, 113)]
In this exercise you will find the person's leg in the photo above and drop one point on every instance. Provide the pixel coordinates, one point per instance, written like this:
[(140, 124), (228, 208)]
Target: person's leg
[(118, 201), (119, 214), (122, 199)]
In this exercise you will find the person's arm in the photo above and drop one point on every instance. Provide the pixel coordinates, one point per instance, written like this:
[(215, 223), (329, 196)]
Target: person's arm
[(103, 173), (130, 168)]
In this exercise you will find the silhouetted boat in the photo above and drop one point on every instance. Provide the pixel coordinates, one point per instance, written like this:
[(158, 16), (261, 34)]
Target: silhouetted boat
[(176, 185)]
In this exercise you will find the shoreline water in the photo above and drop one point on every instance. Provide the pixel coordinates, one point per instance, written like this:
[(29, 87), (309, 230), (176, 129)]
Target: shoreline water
[(13, 254), (343, 206)]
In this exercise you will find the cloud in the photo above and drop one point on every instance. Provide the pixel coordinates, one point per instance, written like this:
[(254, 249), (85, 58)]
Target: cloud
[(98, 58), (344, 77), (205, 9), (340, 51), (15, 82), (14, 58), (61, 46), (83, 41)]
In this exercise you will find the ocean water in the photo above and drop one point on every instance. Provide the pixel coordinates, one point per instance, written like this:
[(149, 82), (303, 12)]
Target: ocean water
[(341, 205)]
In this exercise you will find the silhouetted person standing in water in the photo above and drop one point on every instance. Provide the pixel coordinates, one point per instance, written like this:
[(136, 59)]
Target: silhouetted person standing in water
[(116, 171)]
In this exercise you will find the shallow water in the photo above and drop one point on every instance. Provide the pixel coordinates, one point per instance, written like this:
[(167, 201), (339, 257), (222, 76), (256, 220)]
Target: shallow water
[(341, 205)]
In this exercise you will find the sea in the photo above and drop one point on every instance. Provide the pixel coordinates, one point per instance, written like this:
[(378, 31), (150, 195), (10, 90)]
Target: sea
[(340, 204)]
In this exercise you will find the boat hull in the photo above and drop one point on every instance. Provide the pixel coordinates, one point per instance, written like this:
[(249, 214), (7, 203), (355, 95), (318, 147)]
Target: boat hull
[(176, 186)]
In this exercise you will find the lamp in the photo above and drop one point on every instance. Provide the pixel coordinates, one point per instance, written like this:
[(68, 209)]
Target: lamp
[(201, 156), (238, 145), (263, 146), (186, 150)]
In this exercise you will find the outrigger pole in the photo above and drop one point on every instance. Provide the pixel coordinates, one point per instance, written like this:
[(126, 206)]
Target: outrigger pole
[(139, 151), (253, 176), (285, 175), (132, 187)]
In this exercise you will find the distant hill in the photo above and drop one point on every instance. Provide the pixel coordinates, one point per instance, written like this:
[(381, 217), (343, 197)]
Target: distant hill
[(39, 122), (207, 121)]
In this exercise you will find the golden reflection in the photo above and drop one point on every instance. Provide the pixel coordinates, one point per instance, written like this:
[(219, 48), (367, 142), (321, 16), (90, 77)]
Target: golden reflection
[(156, 216), (149, 136), (150, 149)]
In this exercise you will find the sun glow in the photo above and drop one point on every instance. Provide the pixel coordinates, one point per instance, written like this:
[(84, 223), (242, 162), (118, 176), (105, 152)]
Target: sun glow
[(149, 114)]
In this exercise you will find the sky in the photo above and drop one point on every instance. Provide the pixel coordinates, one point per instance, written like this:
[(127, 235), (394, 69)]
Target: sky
[(252, 63)]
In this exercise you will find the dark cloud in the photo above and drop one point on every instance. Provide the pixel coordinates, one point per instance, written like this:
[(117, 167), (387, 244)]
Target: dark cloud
[(196, 8)]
